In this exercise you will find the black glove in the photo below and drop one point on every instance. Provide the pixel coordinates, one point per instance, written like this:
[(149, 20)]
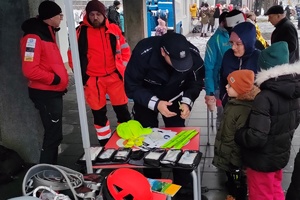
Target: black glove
[(56, 80)]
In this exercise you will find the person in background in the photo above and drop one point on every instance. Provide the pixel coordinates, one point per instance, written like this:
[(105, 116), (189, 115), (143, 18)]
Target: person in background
[(275, 115), (211, 22), (43, 66), (164, 75), (122, 21), (161, 28), (216, 47), (242, 55), (193, 11), (216, 15), (261, 43), (284, 31), (287, 12), (227, 154), (113, 15), (103, 53), (204, 15)]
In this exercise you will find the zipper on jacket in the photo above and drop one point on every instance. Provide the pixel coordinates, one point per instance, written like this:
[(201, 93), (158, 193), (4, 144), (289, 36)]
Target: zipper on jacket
[(104, 50)]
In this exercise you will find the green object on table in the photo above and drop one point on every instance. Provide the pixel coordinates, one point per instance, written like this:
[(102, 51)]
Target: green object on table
[(180, 144), (179, 138)]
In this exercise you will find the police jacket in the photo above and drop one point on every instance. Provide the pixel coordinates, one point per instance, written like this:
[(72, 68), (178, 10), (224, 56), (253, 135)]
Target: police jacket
[(42, 63), (149, 78), (266, 140)]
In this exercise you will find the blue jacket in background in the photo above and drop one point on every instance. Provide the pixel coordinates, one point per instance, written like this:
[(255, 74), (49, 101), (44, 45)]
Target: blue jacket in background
[(247, 33), (216, 47)]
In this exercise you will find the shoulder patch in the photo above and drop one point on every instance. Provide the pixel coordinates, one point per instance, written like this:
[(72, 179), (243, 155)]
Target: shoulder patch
[(31, 42), (29, 52)]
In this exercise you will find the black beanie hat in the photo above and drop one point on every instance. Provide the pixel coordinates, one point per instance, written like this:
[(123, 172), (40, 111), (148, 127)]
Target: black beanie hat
[(48, 9), (95, 5), (116, 3)]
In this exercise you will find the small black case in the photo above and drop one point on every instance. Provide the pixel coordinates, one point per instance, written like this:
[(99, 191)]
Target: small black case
[(154, 156), (107, 155), (122, 154), (190, 159), (171, 157)]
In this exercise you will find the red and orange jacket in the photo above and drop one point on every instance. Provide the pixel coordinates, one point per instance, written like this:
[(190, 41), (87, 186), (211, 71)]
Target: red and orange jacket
[(102, 51), (42, 63)]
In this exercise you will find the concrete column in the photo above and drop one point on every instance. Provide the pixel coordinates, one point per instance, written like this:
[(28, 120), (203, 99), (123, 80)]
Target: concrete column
[(135, 21), (20, 124)]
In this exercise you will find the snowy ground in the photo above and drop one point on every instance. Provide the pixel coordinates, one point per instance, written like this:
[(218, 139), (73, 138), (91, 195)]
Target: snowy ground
[(266, 29)]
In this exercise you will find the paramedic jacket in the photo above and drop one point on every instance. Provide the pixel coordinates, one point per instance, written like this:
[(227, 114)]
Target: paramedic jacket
[(148, 77)]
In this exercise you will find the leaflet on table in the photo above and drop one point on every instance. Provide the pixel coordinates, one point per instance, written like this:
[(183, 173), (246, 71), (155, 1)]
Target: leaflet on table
[(157, 138), (163, 187)]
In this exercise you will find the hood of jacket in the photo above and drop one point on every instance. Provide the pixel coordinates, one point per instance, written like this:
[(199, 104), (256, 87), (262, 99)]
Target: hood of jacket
[(35, 25), (283, 79), (247, 33), (249, 96)]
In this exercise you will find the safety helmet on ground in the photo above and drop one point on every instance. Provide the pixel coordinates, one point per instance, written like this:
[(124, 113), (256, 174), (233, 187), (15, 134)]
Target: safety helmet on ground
[(126, 184)]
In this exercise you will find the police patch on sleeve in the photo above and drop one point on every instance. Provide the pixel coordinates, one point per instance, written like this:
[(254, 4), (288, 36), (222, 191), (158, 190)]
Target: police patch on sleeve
[(29, 52)]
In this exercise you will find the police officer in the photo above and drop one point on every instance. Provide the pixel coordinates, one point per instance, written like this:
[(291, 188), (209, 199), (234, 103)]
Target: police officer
[(164, 75)]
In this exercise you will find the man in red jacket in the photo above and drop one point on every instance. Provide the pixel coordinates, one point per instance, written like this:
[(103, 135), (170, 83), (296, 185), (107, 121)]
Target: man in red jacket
[(47, 76), (104, 53)]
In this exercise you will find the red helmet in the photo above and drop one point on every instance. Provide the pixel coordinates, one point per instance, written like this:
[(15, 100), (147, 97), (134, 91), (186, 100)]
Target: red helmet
[(124, 183)]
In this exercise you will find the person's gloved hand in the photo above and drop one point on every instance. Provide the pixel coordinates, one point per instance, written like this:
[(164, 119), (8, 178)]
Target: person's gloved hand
[(210, 101)]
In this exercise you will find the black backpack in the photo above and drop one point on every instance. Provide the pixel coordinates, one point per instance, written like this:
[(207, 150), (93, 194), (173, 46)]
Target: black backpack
[(10, 164), (113, 16)]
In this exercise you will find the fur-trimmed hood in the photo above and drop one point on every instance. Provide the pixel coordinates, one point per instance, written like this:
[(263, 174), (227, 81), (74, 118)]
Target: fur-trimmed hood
[(277, 71), (283, 79), (249, 95)]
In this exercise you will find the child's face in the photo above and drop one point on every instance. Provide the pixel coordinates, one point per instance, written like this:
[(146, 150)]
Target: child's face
[(230, 91)]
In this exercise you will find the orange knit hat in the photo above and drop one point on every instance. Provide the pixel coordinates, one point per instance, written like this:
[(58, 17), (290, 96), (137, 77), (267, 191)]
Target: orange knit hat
[(241, 80)]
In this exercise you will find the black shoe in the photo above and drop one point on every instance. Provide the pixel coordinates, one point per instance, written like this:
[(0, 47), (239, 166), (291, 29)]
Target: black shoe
[(201, 35)]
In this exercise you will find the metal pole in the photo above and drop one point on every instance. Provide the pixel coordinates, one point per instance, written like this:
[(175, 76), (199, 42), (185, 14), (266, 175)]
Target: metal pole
[(78, 84)]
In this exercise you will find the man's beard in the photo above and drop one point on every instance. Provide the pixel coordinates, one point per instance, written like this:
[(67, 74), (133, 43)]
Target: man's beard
[(97, 24)]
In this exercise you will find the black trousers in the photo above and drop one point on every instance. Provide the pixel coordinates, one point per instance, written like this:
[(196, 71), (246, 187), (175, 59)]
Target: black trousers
[(100, 117), (293, 192), (50, 110), (148, 118), (121, 111)]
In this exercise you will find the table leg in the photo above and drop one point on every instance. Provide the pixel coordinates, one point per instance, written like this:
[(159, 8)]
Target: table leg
[(196, 185)]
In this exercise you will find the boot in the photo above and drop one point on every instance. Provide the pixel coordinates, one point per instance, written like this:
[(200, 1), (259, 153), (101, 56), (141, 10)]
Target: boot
[(205, 35), (201, 35)]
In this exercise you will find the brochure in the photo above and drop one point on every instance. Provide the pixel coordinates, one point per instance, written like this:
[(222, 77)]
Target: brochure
[(163, 187), (157, 138)]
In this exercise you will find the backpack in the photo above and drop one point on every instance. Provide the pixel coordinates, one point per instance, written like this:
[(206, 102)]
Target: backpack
[(112, 15), (10, 164)]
